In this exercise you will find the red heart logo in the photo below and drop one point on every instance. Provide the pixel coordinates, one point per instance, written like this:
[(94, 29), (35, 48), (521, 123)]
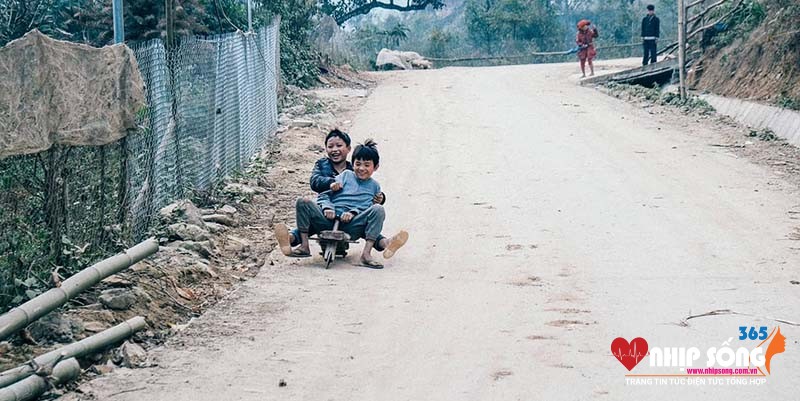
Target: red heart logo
[(629, 354)]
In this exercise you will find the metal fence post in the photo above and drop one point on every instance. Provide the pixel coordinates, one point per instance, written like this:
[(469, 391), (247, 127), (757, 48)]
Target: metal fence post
[(249, 15), (277, 22), (119, 25)]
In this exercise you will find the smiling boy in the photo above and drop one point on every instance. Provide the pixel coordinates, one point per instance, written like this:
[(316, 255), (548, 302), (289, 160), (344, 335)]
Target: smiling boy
[(323, 178), (352, 203)]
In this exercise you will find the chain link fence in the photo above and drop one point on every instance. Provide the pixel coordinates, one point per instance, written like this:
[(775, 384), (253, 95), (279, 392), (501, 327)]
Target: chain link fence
[(211, 104)]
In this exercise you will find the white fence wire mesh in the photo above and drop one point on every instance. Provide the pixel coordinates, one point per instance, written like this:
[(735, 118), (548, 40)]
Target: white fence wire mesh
[(211, 104)]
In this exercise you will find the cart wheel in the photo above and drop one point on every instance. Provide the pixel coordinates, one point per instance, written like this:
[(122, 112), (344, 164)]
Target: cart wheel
[(330, 255)]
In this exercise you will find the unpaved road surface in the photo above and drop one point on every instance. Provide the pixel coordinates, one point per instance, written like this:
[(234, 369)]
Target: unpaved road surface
[(546, 219)]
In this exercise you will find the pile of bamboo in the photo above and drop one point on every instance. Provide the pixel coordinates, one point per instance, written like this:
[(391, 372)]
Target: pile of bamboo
[(32, 379)]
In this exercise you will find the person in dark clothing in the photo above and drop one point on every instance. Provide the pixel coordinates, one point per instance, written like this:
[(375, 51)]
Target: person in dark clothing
[(651, 30)]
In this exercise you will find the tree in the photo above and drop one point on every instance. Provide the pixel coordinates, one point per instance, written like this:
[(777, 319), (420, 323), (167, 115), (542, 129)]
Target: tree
[(17, 17), (482, 24), (397, 34), (518, 24), (87, 22), (343, 10), (438, 42)]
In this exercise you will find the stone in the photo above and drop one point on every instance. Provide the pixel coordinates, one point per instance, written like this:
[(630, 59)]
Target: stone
[(202, 248), (393, 59), (228, 209), (221, 219), (302, 123), (239, 189), (182, 211), (117, 299), (188, 232), (55, 328), (117, 281), (237, 244), (141, 295), (215, 228), (212, 272), (104, 369), (104, 316), (197, 269), (95, 327), (133, 355), (295, 110)]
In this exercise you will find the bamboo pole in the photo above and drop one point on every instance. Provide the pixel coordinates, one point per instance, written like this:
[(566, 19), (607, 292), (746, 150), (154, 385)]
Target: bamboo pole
[(75, 350), (34, 386), (28, 312), (717, 21), (527, 55), (682, 47)]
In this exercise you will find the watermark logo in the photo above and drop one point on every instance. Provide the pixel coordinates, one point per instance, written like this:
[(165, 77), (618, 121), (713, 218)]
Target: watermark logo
[(776, 346), (629, 354), (746, 361)]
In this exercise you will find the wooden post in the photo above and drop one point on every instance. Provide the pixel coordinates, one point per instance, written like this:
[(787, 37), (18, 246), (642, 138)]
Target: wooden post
[(682, 47)]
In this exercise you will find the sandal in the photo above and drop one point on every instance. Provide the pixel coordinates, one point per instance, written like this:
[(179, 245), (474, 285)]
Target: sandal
[(282, 236), (395, 243), (296, 253), (371, 264)]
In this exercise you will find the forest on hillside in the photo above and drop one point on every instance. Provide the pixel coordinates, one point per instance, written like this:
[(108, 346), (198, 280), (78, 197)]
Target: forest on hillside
[(474, 28), (348, 31)]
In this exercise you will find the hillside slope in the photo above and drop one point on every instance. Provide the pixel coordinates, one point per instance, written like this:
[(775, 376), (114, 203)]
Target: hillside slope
[(763, 64)]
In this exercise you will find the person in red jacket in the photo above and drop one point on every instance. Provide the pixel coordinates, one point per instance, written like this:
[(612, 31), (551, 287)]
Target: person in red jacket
[(585, 40)]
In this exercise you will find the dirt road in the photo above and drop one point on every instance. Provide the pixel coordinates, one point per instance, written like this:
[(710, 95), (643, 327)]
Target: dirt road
[(546, 219)]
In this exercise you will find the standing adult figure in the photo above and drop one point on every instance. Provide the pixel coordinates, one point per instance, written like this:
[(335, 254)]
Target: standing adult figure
[(585, 40), (651, 29)]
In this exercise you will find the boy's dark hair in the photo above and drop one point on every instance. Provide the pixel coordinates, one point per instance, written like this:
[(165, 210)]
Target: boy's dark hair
[(336, 133), (651, 7), (367, 151)]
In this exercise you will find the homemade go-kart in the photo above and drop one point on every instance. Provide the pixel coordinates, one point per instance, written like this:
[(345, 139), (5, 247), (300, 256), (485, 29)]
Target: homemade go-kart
[(330, 241)]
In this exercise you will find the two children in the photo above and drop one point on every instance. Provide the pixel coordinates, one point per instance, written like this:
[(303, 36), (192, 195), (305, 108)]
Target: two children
[(346, 191)]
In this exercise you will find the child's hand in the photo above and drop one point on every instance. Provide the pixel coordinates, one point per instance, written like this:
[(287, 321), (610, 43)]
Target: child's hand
[(378, 199), (336, 186), (329, 214), (346, 217)]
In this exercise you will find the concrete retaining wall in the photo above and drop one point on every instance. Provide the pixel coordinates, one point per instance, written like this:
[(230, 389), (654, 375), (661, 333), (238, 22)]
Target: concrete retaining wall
[(783, 122)]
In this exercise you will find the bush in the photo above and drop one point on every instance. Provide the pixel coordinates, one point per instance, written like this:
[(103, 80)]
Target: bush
[(743, 21), (655, 95), (788, 102)]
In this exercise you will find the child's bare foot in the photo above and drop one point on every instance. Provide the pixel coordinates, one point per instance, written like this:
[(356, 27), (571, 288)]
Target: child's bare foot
[(283, 236), (395, 243)]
